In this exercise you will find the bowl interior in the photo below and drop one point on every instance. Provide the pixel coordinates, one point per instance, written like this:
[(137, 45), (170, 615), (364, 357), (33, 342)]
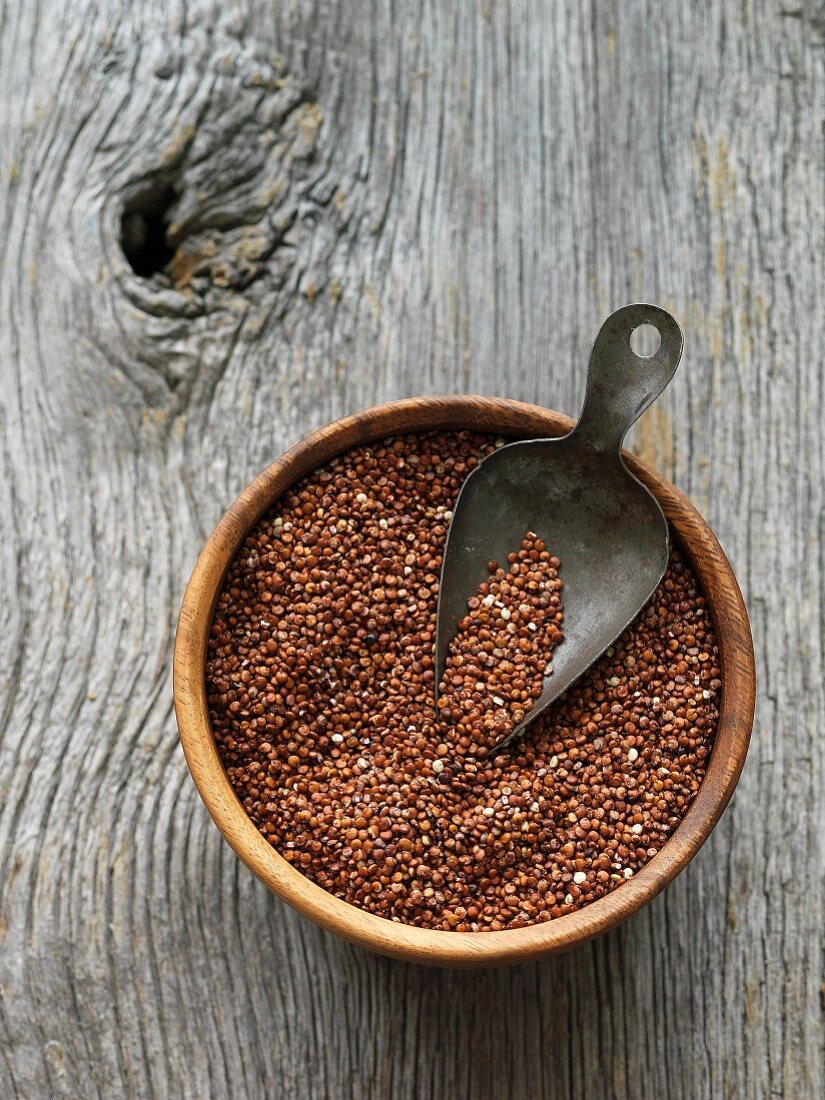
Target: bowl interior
[(516, 420)]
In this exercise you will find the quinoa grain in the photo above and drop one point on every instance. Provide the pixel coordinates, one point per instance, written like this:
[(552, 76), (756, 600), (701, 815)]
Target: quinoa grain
[(321, 689)]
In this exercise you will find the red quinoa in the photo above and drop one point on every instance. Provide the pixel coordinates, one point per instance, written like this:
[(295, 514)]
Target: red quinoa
[(320, 681), (497, 662)]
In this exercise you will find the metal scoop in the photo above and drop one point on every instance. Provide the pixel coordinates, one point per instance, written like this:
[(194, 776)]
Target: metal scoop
[(577, 494)]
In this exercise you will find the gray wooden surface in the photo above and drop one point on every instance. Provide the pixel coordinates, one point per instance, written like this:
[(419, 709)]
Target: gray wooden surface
[(374, 201)]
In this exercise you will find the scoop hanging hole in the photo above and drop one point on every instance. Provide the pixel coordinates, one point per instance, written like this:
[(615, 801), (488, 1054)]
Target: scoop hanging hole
[(645, 341)]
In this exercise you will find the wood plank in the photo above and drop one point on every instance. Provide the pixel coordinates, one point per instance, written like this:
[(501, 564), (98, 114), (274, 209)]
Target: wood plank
[(377, 201)]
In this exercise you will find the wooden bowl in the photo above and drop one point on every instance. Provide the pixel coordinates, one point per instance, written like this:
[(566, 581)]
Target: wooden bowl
[(504, 418)]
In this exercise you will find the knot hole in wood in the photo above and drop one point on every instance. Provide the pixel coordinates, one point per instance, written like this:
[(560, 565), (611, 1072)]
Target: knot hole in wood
[(144, 228)]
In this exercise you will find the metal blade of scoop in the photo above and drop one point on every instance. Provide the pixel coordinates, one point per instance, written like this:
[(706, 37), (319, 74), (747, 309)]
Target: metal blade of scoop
[(578, 496)]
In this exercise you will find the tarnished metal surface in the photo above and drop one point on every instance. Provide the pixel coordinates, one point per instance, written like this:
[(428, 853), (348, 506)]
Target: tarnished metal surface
[(576, 493)]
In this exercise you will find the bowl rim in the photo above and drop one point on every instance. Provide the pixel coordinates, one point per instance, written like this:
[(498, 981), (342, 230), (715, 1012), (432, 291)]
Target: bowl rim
[(507, 418)]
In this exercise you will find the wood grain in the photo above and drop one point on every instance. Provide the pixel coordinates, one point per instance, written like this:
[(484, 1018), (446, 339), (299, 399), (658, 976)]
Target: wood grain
[(377, 201)]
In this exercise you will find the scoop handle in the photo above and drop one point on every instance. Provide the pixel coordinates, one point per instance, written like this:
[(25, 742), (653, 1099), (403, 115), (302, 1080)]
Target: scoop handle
[(622, 384)]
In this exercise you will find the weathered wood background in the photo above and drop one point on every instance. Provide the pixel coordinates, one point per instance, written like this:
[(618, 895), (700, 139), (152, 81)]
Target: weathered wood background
[(366, 201)]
